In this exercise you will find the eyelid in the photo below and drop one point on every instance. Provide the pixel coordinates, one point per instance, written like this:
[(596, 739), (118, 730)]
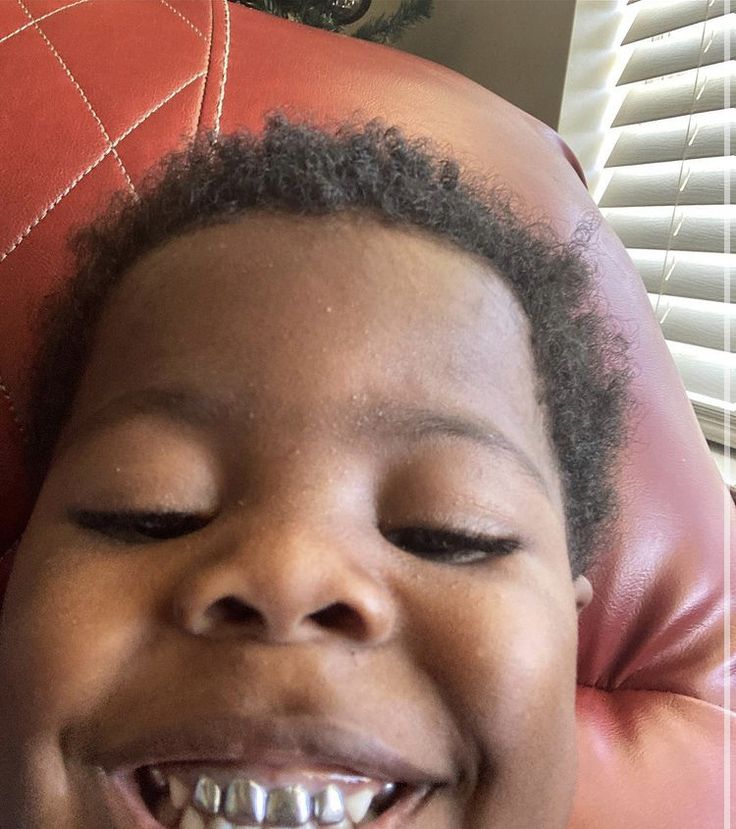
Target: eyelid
[(125, 524), (150, 526), (480, 546)]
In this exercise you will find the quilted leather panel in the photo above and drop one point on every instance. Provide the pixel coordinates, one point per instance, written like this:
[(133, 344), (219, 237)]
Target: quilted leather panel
[(39, 8), (137, 61), (12, 19), (27, 150), (89, 162), (648, 760), (195, 13), (41, 255), (142, 148)]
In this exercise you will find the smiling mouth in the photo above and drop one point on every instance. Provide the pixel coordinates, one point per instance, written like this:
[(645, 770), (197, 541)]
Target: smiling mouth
[(189, 796), (232, 771)]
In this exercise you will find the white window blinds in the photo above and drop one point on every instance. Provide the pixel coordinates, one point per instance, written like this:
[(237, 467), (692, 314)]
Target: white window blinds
[(667, 182)]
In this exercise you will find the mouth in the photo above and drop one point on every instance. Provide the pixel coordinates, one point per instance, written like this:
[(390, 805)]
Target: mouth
[(243, 774), (207, 796)]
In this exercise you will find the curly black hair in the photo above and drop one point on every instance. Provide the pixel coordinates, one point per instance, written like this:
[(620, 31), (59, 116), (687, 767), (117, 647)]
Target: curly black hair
[(300, 168)]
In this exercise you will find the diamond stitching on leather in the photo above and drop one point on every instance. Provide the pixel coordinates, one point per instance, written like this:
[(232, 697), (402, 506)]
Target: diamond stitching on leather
[(89, 106)]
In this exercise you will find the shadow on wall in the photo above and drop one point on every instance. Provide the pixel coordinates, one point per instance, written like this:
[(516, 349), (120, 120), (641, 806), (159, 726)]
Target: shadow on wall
[(516, 48)]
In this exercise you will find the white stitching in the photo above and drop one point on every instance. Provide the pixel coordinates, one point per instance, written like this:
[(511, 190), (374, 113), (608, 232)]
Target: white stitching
[(207, 64), (84, 97), (226, 58), (5, 391), (185, 19), (49, 207), (39, 19)]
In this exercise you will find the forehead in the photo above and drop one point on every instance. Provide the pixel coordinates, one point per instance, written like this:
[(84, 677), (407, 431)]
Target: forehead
[(305, 317)]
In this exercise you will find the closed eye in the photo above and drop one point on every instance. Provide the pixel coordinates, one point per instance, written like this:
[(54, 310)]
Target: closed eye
[(447, 543), (137, 527)]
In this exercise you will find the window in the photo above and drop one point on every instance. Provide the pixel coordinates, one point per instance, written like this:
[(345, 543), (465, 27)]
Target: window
[(661, 170)]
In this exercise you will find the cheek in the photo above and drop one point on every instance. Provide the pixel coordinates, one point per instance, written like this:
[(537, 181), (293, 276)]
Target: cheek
[(69, 625), (503, 651)]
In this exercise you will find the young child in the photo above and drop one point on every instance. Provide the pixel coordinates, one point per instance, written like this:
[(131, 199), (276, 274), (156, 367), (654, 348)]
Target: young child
[(323, 437)]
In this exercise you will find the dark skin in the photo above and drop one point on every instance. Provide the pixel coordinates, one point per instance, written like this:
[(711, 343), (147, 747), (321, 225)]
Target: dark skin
[(307, 336)]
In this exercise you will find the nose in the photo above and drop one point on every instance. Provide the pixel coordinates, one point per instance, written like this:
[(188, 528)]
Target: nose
[(284, 585)]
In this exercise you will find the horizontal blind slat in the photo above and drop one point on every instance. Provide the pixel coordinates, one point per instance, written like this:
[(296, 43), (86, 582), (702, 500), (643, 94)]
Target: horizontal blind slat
[(671, 216), (652, 186), (706, 324), (692, 230), (680, 50), (662, 16), (669, 140), (704, 370), (712, 419), (676, 95), (668, 98), (686, 274)]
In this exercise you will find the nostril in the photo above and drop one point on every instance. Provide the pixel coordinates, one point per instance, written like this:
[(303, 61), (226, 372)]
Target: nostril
[(232, 610), (339, 615)]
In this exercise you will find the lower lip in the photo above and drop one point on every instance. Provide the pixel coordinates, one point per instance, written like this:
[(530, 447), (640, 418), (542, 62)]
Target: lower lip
[(128, 810)]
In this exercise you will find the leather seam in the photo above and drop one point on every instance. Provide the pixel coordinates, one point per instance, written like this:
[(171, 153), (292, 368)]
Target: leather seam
[(39, 19), (651, 691), (225, 60), (184, 18), (207, 67), (79, 89), (65, 192)]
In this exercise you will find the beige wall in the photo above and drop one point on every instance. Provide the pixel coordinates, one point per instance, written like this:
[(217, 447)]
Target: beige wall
[(517, 48)]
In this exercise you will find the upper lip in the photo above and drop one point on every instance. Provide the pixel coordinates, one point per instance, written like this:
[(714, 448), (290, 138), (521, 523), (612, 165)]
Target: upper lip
[(306, 741)]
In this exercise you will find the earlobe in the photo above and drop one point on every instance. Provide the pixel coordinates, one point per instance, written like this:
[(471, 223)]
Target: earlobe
[(583, 593)]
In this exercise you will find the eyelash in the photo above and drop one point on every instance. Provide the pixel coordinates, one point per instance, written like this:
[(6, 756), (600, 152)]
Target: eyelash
[(134, 527), (467, 547), (139, 527)]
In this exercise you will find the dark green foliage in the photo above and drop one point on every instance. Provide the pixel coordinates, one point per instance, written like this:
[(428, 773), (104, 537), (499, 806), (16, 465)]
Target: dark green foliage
[(388, 29), (326, 14)]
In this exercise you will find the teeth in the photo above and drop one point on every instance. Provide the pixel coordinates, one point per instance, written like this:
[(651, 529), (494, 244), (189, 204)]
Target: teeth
[(329, 807), (244, 804), (220, 823), (356, 805), (245, 801), (158, 778), (191, 819), (207, 795), (178, 793), (165, 813), (289, 806)]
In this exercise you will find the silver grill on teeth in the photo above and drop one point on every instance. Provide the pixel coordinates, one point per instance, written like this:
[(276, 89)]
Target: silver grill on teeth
[(245, 801), (329, 806), (244, 804), (207, 796), (289, 806)]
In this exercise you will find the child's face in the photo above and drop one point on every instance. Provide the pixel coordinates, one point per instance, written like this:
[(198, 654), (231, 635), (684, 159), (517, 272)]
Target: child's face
[(286, 379)]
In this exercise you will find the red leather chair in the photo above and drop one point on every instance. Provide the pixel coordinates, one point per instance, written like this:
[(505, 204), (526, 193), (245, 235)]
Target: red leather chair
[(93, 92)]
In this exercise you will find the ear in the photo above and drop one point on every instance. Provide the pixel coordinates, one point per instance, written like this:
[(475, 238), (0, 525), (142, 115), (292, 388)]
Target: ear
[(583, 592)]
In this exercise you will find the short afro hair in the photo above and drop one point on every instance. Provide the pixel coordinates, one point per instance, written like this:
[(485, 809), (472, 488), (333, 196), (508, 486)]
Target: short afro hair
[(300, 168)]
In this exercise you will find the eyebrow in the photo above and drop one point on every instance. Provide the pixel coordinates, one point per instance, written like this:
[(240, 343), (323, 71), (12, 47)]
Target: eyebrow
[(390, 418), (382, 418)]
